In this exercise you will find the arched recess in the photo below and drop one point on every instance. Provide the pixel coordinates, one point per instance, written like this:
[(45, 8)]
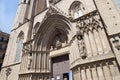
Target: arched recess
[(21, 35), (52, 24), (36, 28), (76, 9), (54, 27), (19, 46)]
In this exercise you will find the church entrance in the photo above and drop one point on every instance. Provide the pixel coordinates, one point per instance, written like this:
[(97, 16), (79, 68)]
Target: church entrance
[(61, 68)]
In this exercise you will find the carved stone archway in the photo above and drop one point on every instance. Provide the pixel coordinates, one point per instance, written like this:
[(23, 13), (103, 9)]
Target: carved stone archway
[(55, 33)]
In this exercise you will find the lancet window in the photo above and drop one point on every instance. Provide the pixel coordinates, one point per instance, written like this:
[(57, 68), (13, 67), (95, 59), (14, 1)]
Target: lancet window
[(76, 9), (36, 28), (19, 46)]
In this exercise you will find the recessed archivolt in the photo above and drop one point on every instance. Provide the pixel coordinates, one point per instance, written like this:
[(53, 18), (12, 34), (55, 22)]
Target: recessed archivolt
[(76, 9), (48, 29)]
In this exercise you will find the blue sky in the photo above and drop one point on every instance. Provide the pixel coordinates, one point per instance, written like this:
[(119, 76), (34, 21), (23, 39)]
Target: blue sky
[(7, 14), (118, 2), (8, 11)]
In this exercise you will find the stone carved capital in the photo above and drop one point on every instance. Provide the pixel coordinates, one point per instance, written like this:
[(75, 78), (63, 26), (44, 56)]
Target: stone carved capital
[(89, 22)]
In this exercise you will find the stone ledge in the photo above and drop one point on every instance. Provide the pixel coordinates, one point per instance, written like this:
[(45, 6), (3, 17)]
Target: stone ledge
[(11, 65), (92, 59), (59, 52), (31, 72)]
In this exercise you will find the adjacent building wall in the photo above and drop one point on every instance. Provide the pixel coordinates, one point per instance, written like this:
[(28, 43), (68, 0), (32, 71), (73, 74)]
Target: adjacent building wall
[(4, 38)]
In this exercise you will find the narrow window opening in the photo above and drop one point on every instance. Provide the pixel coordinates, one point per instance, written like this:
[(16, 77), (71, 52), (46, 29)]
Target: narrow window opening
[(76, 9)]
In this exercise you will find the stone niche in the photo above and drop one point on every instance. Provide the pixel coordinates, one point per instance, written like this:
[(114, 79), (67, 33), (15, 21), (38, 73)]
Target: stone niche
[(59, 41)]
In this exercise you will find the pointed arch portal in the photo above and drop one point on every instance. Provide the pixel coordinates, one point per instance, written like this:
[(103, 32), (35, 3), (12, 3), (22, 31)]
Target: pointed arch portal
[(52, 40)]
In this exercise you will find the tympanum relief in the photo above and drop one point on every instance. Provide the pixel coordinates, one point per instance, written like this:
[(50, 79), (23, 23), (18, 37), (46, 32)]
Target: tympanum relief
[(60, 40)]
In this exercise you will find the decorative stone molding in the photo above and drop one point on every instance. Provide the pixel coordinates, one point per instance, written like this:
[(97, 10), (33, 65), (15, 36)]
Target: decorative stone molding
[(27, 53), (103, 57), (97, 70), (89, 22), (27, 47), (54, 10)]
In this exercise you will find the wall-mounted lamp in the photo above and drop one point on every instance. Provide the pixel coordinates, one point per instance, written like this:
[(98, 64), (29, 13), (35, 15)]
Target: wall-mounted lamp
[(116, 44)]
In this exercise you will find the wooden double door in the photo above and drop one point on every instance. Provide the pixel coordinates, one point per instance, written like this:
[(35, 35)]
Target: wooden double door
[(61, 68)]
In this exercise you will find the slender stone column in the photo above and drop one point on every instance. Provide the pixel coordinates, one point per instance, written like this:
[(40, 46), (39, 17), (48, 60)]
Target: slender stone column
[(100, 72), (98, 42), (34, 61), (95, 41), (74, 75), (79, 73), (26, 60), (116, 70), (24, 64), (88, 45), (104, 40), (39, 62), (45, 61), (42, 62), (101, 41), (93, 46), (94, 70), (83, 74), (88, 72)]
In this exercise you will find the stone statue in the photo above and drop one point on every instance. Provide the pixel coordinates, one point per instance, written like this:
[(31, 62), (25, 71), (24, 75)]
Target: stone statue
[(58, 44), (81, 45)]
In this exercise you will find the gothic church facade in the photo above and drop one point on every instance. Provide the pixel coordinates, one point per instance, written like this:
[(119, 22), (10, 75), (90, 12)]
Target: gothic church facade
[(64, 40)]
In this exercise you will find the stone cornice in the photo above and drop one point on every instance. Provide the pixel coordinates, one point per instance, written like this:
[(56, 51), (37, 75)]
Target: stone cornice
[(11, 65), (97, 58)]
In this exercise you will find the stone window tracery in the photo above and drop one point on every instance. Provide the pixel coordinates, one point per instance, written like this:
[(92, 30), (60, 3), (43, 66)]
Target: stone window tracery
[(76, 9), (19, 47), (94, 41)]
